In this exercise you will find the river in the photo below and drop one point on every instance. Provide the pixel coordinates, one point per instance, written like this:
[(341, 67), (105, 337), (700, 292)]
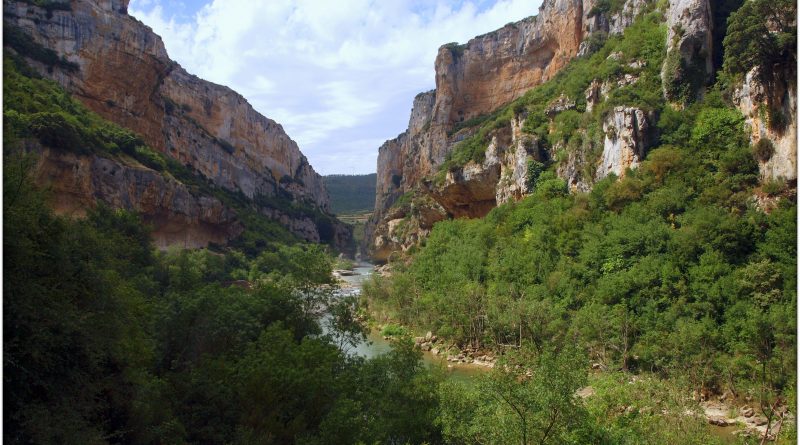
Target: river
[(376, 345)]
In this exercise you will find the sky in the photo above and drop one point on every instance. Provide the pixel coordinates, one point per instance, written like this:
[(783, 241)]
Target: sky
[(339, 75)]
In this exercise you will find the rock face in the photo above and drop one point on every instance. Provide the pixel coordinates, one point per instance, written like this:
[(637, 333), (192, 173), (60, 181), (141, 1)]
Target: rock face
[(473, 80), (126, 77), (178, 217), (474, 189), (690, 47), (627, 136), (753, 99)]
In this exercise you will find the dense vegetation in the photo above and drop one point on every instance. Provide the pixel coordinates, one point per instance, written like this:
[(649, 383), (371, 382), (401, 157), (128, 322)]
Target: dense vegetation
[(670, 281), (673, 272), (107, 341), (351, 193)]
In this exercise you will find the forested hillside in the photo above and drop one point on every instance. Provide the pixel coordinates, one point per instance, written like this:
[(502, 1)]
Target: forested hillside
[(683, 270), (351, 193)]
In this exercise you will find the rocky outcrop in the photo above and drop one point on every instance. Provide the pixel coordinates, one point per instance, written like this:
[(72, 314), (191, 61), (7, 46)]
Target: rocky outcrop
[(475, 79), (403, 227), (758, 103), (627, 137), (125, 75), (599, 21), (473, 190), (689, 64), (469, 192), (76, 183)]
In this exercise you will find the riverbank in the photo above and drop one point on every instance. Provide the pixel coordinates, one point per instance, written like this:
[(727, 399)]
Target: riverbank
[(435, 350)]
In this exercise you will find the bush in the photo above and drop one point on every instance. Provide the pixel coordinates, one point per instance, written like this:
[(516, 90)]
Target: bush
[(773, 187), (58, 131), (150, 158), (750, 43), (393, 330), (763, 149), (535, 168)]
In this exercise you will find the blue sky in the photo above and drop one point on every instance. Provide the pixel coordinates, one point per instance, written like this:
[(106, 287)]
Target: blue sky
[(340, 76)]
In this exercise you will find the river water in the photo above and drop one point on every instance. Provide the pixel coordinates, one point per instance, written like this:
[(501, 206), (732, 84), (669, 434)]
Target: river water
[(376, 345)]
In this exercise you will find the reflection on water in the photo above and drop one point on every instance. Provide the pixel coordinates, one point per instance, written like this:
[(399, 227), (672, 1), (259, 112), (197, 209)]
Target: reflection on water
[(376, 345)]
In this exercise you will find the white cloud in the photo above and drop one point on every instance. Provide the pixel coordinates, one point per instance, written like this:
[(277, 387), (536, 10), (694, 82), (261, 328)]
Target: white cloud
[(339, 76)]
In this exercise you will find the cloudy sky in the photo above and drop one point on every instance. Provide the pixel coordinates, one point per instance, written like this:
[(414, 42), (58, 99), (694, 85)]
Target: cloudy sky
[(339, 75)]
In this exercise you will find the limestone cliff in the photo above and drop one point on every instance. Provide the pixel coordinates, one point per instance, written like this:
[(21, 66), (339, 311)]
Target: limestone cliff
[(754, 100), (125, 75), (177, 216), (627, 133), (472, 81), (689, 63)]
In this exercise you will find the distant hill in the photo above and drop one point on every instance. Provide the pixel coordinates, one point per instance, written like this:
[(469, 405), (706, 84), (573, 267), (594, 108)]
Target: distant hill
[(351, 193)]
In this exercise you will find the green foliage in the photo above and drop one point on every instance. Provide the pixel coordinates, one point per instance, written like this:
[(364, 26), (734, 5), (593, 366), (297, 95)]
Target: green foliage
[(773, 187), (606, 7), (717, 129), (106, 341), (39, 108), (472, 149), (643, 41), (455, 48), (645, 273), (750, 42), (683, 79), (646, 409), (351, 193), (393, 330), (534, 170), (531, 401)]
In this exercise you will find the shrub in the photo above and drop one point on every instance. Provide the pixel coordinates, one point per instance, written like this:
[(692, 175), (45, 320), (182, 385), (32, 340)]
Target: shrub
[(150, 158), (763, 149), (535, 169), (718, 128), (393, 330), (773, 187), (455, 48), (57, 130)]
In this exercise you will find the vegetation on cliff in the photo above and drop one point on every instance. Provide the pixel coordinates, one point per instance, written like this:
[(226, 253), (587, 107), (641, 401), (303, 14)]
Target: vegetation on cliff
[(675, 271), (639, 52), (37, 108)]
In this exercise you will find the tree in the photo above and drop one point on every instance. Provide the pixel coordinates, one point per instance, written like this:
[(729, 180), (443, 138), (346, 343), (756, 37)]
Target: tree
[(527, 399), (762, 33)]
